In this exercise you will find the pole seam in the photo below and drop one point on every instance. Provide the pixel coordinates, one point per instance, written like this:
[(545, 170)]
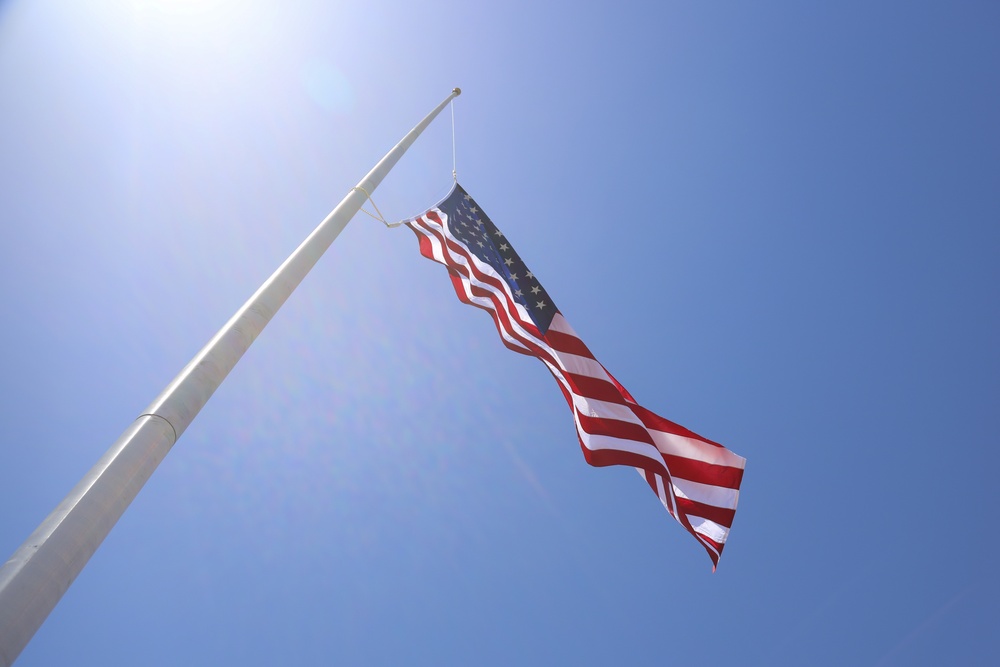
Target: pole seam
[(150, 414)]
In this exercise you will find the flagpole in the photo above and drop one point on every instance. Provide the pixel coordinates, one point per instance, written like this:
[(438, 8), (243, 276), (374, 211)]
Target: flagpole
[(41, 570)]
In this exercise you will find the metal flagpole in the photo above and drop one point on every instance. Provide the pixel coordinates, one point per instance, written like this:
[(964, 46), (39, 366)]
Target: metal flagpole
[(34, 579)]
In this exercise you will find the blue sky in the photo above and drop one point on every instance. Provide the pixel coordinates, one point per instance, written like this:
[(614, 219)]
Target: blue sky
[(776, 225)]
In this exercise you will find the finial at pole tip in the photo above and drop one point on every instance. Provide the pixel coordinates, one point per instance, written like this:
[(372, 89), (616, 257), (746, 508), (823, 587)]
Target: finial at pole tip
[(457, 92)]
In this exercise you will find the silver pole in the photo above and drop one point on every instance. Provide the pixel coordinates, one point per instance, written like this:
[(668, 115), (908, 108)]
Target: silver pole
[(34, 579)]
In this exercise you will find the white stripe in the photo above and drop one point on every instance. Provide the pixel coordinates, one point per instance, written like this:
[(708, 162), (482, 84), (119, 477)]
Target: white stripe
[(436, 225), (692, 448), (660, 491), (584, 366), (435, 243), (560, 324), (709, 529), (557, 374), (604, 410), (711, 549), (718, 496), (600, 442)]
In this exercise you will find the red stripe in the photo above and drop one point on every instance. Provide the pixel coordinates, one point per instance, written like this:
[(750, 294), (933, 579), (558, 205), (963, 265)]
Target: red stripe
[(596, 388), (426, 248), (602, 458), (565, 392), (720, 515), (623, 390), (655, 421), (704, 473), (615, 429), (709, 543), (567, 343), (651, 480)]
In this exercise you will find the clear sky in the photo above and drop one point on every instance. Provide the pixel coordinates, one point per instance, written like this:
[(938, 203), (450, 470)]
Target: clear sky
[(776, 223)]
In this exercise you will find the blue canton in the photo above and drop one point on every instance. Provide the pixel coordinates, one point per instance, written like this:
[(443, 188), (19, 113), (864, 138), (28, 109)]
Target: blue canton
[(470, 225)]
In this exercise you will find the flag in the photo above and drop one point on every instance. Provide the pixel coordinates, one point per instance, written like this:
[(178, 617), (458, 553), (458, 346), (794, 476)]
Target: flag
[(697, 480)]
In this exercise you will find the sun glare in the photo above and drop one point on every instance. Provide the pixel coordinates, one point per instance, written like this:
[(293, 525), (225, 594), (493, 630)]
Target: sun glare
[(181, 7)]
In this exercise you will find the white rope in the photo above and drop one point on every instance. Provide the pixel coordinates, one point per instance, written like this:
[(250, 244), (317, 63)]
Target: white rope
[(454, 159), (454, 175), (378, 217)]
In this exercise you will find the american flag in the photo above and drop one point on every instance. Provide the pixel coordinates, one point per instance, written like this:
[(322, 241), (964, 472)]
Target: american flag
[(697, 480)]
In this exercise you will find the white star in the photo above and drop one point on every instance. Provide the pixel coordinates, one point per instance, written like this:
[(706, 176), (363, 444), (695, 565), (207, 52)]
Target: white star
[(504, 247), (518, 293), (536, 289), (530, 274), (540, 305), (474, 209), (508, 261), (498, 233), (467, 198), (513, 276), (480, 244)]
